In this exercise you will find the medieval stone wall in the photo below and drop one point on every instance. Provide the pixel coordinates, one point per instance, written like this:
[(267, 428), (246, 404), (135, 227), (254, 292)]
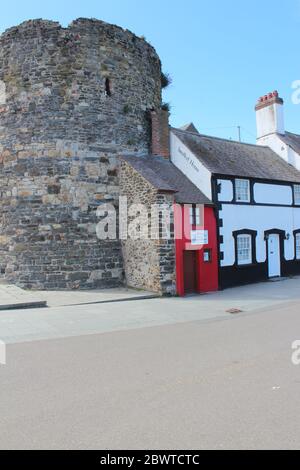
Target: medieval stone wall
[(76, 98), (149, 263)]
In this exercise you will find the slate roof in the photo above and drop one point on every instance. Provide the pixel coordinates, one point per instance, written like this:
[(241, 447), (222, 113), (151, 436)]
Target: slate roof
[(293, 140), (190, 128), (164, 176), (227, 157)]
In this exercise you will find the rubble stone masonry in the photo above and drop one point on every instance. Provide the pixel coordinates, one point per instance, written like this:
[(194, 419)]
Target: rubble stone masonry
[(149, 263), (76, 98)]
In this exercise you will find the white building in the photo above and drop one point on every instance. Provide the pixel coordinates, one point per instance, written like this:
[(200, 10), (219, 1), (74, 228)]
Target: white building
[(257, 198), (271, 129)]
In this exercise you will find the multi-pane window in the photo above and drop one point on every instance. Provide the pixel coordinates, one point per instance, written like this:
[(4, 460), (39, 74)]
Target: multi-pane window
[(297, 194), (244, 249), (242, 190), (297, 245), (195, 215)]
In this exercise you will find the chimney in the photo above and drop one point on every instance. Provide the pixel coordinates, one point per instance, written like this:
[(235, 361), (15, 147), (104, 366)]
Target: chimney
[(160, 133), (269, 115)]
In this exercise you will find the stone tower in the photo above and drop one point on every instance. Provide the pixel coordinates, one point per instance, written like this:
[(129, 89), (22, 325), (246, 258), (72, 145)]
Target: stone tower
[(76, 98)]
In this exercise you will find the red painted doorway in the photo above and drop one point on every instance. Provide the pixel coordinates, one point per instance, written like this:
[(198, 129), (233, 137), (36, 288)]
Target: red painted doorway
[(190, 272)]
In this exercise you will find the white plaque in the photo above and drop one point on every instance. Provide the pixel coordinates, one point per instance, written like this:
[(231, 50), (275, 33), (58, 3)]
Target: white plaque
[(199, 237)]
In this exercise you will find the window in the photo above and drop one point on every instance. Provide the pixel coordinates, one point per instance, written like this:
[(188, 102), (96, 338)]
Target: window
[(245, 246), (107, 87), (195, 215), (207, 255), (244, 249), (242, 190), (297, 245), (297, 194)]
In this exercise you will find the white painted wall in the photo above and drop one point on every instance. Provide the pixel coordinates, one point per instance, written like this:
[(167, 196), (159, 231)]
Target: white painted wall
[(186, 161), (273, 194), (226, 194), (279, 146), (293, 158), (270, 120), (259, 218)]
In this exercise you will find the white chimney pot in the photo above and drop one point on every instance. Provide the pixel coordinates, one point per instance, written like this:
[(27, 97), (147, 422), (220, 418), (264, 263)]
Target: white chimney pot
[(269, 115)]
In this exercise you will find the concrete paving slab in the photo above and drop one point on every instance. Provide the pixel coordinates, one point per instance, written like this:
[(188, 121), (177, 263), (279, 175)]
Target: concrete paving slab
[(12, 297), (78, 320), (86, 297)]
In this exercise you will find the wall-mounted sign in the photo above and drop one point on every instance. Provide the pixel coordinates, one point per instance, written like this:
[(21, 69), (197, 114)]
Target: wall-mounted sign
[(199, 237)]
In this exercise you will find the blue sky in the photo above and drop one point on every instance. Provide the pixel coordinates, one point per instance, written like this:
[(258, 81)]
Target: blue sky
[(222, 55)]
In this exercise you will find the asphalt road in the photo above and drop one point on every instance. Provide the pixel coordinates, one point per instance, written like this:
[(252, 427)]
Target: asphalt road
[(220, 384)]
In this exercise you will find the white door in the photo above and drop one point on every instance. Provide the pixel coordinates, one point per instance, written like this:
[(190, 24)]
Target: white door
[(274, 255)]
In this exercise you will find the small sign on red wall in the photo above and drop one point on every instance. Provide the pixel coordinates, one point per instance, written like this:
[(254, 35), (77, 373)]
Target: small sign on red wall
[(199, 237)]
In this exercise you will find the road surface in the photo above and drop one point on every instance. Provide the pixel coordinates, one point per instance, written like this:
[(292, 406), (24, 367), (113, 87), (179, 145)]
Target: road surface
[(225, 383)]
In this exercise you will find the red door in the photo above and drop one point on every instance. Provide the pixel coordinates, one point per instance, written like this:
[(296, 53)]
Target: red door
[(190, 272)]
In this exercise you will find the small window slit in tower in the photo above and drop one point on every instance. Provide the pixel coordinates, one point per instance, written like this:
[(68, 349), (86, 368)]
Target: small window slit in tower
[(107, 87)]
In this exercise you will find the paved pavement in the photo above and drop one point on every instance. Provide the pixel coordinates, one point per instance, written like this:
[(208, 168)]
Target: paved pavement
[(75, 320), (86, 297), (218, 384), (12, 297)]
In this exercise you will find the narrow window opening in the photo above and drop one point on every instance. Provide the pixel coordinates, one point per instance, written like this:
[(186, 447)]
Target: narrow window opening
[(195, 215), (244, 249), (107, 87), (207, 255)]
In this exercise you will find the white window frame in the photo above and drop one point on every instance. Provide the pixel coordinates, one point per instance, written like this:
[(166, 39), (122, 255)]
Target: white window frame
[(244, 244), (297, 245), (191, 216), (297, 194), (242, 194), (195, 216)]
